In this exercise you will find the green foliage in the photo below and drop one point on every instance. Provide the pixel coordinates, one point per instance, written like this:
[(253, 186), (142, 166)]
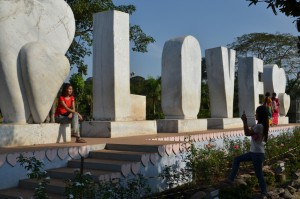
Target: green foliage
[(204, 111), (280, 49), (134, 188), (209, 165), (83, 185), (151, 88), (140, 39), (77, 82), (35, 171), (83, 12), (288, 7)]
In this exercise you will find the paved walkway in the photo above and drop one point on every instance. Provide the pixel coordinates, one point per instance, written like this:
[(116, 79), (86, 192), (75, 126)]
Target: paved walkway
[(139, 140)]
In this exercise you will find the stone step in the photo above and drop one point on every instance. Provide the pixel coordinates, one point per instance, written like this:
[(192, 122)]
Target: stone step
[(107, 165), (56, 186), (68, 173), (16, 192), (119, 155), (136, 147)]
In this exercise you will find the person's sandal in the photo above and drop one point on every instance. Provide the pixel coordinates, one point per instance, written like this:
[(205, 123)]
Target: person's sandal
[(74, 135), (80, 140)]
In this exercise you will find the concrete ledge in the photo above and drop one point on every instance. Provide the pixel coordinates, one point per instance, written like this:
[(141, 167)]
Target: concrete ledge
[(31, 134), (112, 129), (224, 123), (181, 126), (283, 120)]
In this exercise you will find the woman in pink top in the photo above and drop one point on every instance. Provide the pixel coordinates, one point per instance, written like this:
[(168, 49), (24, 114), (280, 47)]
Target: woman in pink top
[(65, 112)]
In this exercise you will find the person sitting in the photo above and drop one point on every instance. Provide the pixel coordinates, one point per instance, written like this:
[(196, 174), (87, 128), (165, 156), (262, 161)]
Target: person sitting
[(65, 112)]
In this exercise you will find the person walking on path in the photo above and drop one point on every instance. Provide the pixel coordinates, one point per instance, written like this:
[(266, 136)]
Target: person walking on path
[(259, 136), (65, 112)]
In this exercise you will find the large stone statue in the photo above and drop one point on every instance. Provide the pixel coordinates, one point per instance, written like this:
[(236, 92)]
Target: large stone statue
[(274, 79), (250, 86), (34, 37), (116, 112), (181, 86), (181, 78), (220, 63)]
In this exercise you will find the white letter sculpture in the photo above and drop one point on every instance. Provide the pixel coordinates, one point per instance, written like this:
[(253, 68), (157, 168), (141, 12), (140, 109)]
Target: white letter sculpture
[(274, 79), (220, 63), (181, 86), (34, 37), (249, 86), (116, 111)]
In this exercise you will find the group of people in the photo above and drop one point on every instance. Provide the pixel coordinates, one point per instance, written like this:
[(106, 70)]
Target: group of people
[(272, 104), (66, 113)]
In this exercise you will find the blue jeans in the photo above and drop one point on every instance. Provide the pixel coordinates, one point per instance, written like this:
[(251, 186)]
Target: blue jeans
[(74, 121), (257, 161)]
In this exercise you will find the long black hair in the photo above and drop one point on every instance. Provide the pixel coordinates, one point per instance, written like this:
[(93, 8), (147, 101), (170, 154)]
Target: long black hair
[(262, 118), (64, 91)]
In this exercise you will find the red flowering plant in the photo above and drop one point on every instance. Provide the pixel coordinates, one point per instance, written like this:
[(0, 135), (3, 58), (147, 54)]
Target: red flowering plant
[(235, 148)]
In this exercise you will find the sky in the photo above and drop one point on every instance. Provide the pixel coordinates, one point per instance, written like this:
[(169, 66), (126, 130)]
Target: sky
[(212, 22)]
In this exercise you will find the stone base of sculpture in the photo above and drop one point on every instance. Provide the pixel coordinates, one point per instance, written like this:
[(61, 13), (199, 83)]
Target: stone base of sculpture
[(32, 134), (112, 129), (283, 120), (181, 125), (224, 123)]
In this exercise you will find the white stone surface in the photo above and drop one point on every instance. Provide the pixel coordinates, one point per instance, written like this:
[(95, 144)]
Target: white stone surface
[(31, 134), (181, 126), (181, 78), (47, 21), (42, 81), (112, 100), (111, 129), (283, 120), (224, 123), (274, 79), (249, 85), (285, 101), (138, 107), (220, 63)]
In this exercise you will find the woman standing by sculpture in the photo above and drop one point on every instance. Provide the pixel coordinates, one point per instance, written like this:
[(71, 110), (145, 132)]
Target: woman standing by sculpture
[(268, 104), (275, 104), (259, 135), (65, 112)]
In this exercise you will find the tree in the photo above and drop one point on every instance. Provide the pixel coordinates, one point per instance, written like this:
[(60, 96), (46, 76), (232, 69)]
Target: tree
[(287, 7), (152, 90), (81, 46), (77, 83), (280, 49)]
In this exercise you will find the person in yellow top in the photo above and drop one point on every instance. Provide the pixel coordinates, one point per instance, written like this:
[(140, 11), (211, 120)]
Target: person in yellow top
[(268, 104)]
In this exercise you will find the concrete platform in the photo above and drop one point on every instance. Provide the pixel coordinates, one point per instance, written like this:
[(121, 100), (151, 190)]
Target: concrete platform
[(283, 120), (31, 134), (146, 154), (224, 123), (181, 125), (113, 129)]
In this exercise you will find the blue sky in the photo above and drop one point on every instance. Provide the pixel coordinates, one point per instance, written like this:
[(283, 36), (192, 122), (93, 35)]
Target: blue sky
[(213, 22)]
